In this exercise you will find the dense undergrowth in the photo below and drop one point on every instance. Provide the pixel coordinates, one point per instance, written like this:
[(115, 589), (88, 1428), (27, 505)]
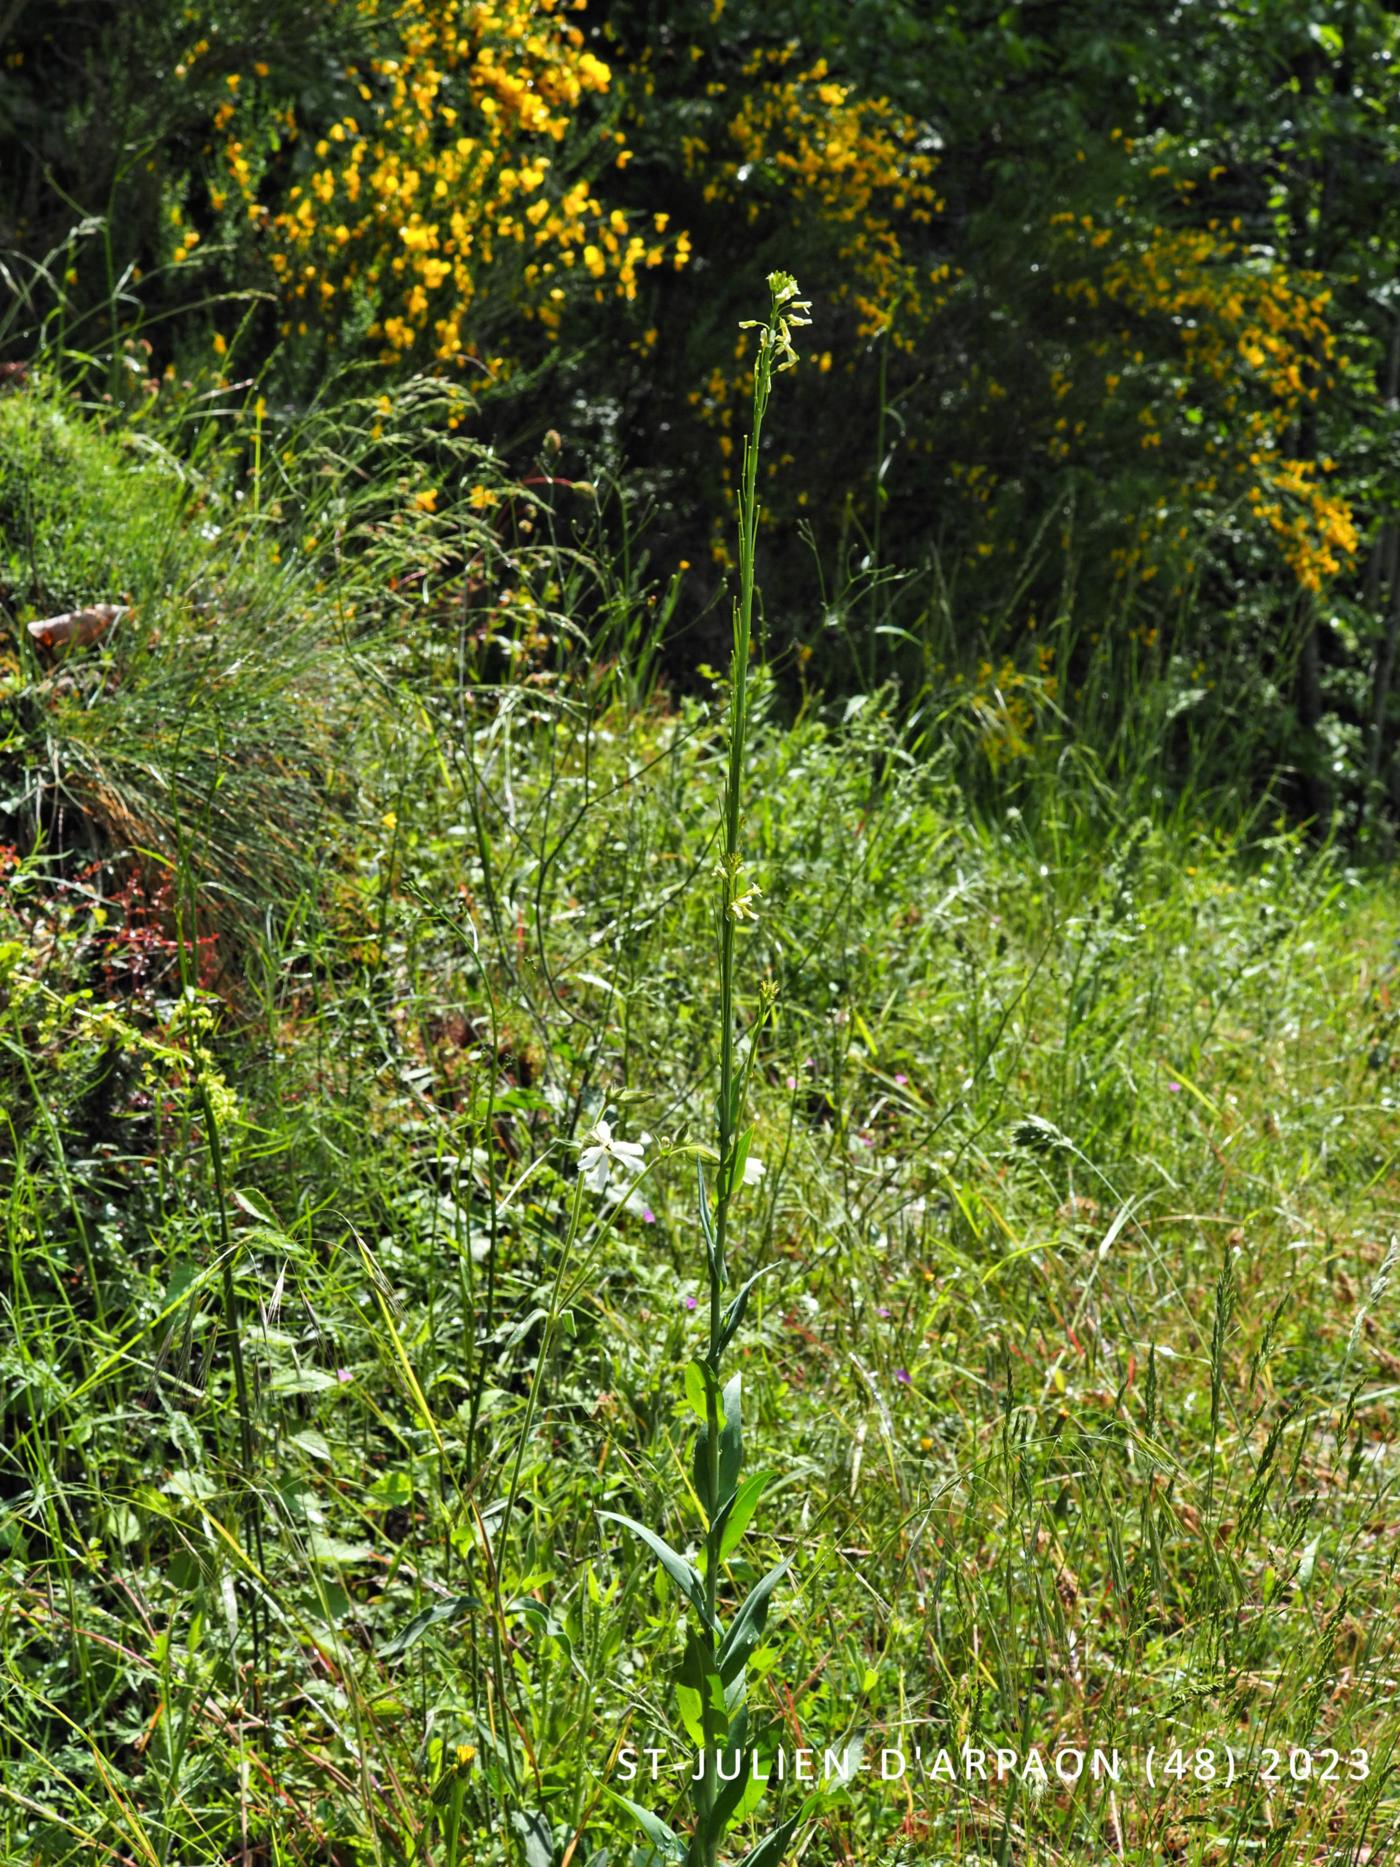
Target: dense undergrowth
[(353, 879), (1103, 396)]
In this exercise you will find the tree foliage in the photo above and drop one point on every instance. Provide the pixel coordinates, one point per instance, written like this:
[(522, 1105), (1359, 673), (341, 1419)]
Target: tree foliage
[(1107, 344)]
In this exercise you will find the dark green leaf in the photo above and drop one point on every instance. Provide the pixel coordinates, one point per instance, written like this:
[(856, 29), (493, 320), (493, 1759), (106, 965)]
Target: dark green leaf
[(684, 1574), (772, 1847), (730, 1793), (746, 1630), (667, 1843), (542, 1621), (429, 1617), (536, 1840)]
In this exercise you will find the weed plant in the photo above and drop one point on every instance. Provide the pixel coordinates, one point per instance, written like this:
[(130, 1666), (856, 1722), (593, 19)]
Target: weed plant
[(714, 1678)]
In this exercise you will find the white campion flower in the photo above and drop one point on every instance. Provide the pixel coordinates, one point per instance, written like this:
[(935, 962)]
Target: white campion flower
[(603, 1156), (754, 1170)]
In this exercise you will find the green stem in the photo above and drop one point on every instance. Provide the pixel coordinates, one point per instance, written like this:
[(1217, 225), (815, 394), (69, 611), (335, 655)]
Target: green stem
[(729, 1113), (233, 1329)]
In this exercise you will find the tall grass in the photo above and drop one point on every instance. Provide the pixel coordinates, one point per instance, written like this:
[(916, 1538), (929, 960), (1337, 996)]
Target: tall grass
[(1076, 1376)]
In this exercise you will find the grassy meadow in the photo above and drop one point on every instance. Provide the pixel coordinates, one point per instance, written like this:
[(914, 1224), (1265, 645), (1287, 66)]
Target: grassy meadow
[(362, 1030)]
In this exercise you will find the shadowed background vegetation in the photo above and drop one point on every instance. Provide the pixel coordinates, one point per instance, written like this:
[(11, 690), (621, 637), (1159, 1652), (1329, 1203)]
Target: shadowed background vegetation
[(381, 366)]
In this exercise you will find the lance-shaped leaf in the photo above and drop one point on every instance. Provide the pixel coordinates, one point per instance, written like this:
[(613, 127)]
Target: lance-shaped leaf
[(746, 1629), (666, 1841), (772, 1847), (684, 1574), (731, 1440), (707, 1226), (739, 1789), (428, 1617), (734, 1311), (700, 1695), (738, 1511)]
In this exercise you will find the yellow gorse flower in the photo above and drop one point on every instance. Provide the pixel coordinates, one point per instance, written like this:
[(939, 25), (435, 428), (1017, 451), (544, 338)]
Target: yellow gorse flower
[(451, 173), (1252, 336)]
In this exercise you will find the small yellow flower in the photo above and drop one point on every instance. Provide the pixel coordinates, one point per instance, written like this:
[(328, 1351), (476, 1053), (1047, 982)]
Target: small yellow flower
[(426, 501), (482, 498)]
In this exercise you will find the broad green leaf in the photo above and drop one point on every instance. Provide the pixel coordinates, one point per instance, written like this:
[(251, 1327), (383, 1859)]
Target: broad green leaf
[(536, 1839), (700, 1385), (698, 1688), (391, 1490), (252, 1202), (123, 1525), (323, 1548), (303, 1381), (190, 1485)]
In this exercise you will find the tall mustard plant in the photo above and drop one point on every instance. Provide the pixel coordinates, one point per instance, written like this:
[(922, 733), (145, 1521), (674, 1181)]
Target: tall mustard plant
[(712, 1682)]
